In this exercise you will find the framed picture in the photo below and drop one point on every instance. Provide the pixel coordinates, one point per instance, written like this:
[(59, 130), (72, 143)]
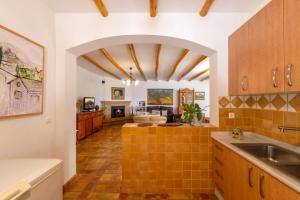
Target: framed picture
[(160, 96), (21, 75), (200, 95), (117, 93)]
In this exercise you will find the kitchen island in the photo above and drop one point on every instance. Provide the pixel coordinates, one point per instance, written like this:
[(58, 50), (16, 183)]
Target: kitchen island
[(173, 160)]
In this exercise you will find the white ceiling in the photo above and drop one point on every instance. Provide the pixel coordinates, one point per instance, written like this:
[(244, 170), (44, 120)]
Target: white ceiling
[(163, 5), (146, 57)]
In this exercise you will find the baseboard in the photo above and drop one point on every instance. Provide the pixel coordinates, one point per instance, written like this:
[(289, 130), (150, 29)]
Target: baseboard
[(69, 182)]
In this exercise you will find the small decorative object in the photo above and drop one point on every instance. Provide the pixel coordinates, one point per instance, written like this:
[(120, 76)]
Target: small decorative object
[(200, 96), (117, 93), (192, 113), (237, 133), (79, 105), (160, 96), (97, 107), (21, 75)]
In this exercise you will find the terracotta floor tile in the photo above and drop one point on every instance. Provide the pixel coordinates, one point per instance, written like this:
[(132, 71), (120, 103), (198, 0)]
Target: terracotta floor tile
[(99, 171)]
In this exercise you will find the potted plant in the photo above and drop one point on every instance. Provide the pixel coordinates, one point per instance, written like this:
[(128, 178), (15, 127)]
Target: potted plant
[(192, 113)]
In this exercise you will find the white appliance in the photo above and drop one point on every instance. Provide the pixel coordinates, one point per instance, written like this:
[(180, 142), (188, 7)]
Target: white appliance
[(31, 179)]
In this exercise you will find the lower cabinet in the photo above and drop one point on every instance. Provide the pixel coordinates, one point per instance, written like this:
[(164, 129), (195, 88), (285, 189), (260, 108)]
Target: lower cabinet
[(242, 180), (88, 123)]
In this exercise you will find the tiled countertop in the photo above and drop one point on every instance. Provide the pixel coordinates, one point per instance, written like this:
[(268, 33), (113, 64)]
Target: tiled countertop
[(249, 137)]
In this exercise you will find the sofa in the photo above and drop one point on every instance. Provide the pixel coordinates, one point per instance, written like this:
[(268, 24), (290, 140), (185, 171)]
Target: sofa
[(153, 119)]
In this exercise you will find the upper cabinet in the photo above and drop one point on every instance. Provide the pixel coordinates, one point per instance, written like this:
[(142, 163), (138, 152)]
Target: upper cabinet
[(292, 45), (267, 61)]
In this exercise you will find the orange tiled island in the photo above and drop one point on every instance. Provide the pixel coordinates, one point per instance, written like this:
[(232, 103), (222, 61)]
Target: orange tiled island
[(166, 159)]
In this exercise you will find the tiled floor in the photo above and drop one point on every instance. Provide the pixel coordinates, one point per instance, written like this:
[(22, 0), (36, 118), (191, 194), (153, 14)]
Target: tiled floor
[(99, 171)]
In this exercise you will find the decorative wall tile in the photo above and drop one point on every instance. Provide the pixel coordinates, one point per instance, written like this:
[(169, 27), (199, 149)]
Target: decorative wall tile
[(263, 102), (249, 101), (236, 102), (224, 102), (293, 102), (278, 102)]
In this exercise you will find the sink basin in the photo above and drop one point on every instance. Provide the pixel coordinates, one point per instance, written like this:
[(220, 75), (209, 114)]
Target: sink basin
[(278, 157)]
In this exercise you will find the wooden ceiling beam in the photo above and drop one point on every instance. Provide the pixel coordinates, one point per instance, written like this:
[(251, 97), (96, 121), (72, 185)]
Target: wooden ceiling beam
[(101, 7), (114, 62), (135, 60), (205, 8), (153, 8), (198, 75), (195, 64), (182, 55), (204, 78), (92, 61), (157, 60)]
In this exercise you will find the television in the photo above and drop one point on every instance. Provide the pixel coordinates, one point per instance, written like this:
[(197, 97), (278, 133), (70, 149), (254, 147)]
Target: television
[(88, 103)]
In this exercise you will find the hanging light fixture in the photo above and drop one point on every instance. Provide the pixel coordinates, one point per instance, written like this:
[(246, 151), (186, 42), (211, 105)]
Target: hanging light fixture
[(130, 81)]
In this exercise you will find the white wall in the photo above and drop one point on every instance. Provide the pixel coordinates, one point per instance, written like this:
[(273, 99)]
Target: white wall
[(90, 84), (32, 136)]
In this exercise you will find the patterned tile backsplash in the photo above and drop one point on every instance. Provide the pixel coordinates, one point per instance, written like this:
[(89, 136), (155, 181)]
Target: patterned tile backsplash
[(263, 114)]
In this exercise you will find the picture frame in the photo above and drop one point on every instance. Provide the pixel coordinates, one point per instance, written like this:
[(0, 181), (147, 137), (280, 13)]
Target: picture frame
[(200, 96), (22, 66), (160, 97), (117, 93)]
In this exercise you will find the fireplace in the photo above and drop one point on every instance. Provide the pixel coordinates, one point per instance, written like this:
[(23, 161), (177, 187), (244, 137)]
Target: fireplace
[(117, 111)]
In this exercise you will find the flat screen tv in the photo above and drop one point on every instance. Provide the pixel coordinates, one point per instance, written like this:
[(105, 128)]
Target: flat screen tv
[(88, 103)]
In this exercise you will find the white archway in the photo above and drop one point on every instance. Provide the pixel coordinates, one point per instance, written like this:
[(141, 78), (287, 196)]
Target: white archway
[(66, 92)]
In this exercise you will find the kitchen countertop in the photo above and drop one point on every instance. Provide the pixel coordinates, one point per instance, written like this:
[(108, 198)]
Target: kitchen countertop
[(250, 137)]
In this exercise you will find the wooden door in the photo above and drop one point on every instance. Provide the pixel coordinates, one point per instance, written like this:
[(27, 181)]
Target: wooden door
[(80, 129), (266, 49), (280, 191), (96, 123), (88, 126), (292, 44)]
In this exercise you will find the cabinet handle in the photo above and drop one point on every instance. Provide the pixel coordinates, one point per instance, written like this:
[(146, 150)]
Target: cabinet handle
[(244, 83), (219, 175), (289, 75), (274, 77), (219, 148), (250, 170), (261, 185), (218, 161)]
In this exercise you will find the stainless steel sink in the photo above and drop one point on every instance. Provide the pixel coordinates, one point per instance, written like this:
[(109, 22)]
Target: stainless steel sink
[(278, 157)]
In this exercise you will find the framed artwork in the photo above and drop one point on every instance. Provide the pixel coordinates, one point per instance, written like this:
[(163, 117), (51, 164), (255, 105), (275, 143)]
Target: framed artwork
[(21, 75), (200, 95), (160, 96), (117, 93)]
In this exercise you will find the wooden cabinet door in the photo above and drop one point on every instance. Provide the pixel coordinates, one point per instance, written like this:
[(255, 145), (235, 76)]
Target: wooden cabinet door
[(266, 48), (292, 44), (232, 65), (89, 126), (239, 62), (96, 123), (80, 130), (280, 191)]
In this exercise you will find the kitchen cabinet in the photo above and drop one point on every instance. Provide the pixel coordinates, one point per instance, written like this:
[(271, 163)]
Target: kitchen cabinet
[(239, 62), (88, 123), (292, 45), (264, 54), (243, 180)]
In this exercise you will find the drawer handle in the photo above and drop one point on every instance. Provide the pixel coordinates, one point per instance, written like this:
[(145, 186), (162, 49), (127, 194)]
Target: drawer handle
[(219, 148), (250, 170), (219, 161), (244, 83), (219, 175), (289, 75), (261, 186), (274, 77)]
